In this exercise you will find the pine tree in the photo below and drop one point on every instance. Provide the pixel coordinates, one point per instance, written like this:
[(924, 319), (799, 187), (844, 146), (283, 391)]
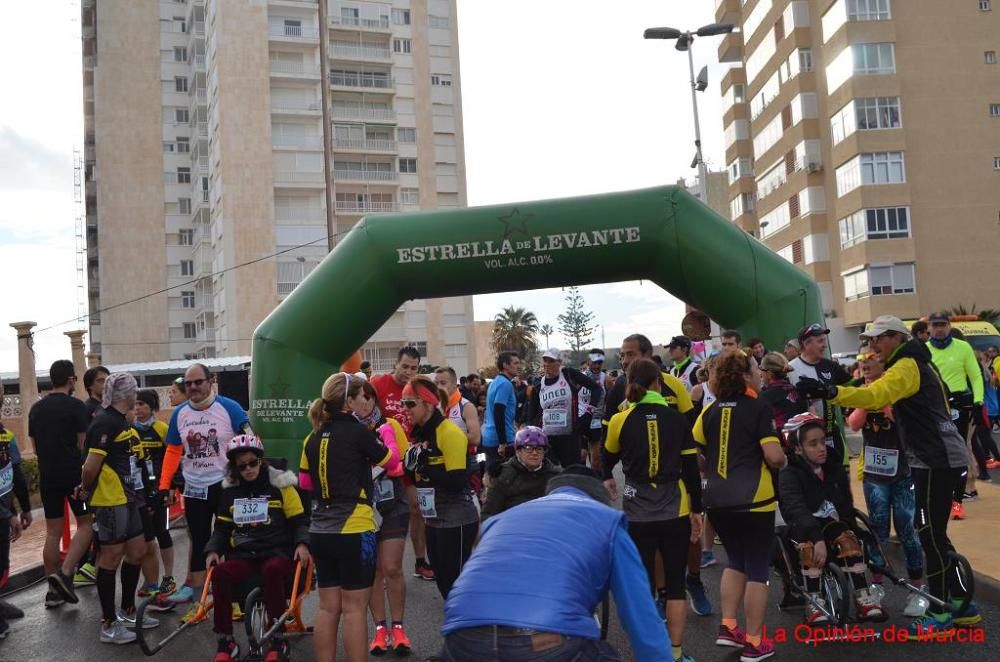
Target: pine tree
[(576, 323)]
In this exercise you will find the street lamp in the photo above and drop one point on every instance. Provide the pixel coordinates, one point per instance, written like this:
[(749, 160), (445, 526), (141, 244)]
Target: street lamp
[(699, 84)]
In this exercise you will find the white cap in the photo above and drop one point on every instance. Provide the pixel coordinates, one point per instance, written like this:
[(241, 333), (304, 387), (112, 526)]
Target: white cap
[(552, 353), (596, 357), (884, 324)]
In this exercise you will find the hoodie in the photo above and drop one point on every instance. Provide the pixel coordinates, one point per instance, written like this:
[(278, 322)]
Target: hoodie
[(805, 495)]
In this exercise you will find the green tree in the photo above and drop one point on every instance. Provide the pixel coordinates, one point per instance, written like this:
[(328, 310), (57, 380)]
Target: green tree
[(547, 331), (577, 324), (516, 329)]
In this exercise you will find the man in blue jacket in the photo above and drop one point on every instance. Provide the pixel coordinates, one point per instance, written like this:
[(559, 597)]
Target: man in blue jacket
[(547, 607)]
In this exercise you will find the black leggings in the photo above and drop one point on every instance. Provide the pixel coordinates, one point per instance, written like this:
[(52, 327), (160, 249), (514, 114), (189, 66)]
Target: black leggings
[(200, 514), (933, 489), (447, 551), (748, 538), (670, 538), (564, 449), (967, 423)]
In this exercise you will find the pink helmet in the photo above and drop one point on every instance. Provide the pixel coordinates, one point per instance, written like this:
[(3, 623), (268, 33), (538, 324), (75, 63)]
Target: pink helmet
[(530, 435), (244, 442)]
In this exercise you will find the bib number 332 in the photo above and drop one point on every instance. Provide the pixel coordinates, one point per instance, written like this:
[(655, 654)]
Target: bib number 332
[(250, 511)]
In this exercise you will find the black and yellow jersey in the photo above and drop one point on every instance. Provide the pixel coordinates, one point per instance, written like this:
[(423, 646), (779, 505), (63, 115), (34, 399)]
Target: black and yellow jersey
[(339, 459), (149, 452), (732, 433), (113, 439), (673, 392), (653, 440), (446, 473)]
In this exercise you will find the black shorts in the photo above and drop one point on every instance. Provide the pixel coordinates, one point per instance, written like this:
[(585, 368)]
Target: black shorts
[(344, 560), (55, 493), (116, 524), (592, 437), (395, 520)]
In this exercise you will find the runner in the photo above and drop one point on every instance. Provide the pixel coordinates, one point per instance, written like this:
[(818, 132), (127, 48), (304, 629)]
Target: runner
[(107, 483), (193, 446), (935, 451), (523, 477), (501, 408), (662, 493), (462, 413), (337, 458), (791, 350), (779, 392), (149, 453), (12, 483), (684, 365), (741, 446), (93, 383), (555, 407), (261, 530), (57, 426), (438, 465), (592, 407), (390, 391), (178, 393)]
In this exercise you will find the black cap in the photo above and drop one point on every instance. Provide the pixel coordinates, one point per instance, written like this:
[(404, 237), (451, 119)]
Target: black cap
[(939, 317), (812, 330), (679, 341)]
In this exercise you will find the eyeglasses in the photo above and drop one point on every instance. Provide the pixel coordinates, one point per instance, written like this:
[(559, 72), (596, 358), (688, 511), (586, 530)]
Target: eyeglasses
[(194, 382), (252, 464), (410, 404), (532, 449)]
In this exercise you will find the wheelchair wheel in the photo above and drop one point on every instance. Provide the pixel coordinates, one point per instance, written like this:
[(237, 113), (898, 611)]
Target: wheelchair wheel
[(837, 592), (965, 577), (789, 573), (869, 537), (255, 618)]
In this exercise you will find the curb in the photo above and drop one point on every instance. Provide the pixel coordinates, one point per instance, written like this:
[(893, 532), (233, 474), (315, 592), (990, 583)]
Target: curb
[(23, 579), (987, 588)]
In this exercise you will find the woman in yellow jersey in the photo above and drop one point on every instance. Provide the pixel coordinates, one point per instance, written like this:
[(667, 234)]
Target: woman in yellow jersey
[(741, 448), (438, 463), (336, 467)]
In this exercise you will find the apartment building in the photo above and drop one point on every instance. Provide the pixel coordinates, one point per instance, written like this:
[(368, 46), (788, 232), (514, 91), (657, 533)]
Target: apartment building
[(863, 145), (207, 124)]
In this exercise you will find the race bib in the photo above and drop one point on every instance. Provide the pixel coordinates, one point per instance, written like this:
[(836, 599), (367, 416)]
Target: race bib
[(425, 501), (384, 491), (150, 470), (192, 492), (826, 511), (250, 511), (135, 469), (881, 461), (554, 418), (6, 479), (595, 422)]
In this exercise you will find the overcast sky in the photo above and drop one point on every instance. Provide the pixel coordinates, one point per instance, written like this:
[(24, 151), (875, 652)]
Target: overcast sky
[(561, 98)]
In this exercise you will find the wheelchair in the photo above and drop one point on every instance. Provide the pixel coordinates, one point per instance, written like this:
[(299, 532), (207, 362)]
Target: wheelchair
[(835, 587)]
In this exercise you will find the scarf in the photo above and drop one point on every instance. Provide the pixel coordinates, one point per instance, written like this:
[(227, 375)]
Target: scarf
[(373, 420), (204, 404), (941, 344), (454, 399)]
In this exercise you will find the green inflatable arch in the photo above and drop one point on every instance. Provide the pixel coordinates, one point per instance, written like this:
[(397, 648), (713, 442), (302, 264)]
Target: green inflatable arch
[(662, 234)]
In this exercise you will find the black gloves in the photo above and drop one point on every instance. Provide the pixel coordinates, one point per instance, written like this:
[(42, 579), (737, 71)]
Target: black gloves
[(814, 389)]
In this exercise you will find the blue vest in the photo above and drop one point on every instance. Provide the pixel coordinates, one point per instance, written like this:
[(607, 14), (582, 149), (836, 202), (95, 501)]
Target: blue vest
[(561, 548)]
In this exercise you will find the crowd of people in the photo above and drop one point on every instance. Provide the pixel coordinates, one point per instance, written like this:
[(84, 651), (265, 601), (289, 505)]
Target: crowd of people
[(714, 449)]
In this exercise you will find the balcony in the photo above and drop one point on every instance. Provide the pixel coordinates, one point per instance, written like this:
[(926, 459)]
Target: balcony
[(298, 178), (342, 51), (197, 28), (364, 145), (199, 62), (89, 61), (294, 33), (202, 164), (362, 112), (279, 68), (356, 79), (199, 93), (296, 106), (202, 129), (380, 24), (359, 208), (731, 47), (297, 142), (727, 11), (364, 175)]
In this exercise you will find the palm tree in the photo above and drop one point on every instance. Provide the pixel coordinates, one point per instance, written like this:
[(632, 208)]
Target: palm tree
[(547, 331), (987, 314), (516, 329)]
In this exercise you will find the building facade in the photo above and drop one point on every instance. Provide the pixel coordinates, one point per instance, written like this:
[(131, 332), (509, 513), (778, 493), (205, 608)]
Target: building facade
[(221, 132), (863, 145)]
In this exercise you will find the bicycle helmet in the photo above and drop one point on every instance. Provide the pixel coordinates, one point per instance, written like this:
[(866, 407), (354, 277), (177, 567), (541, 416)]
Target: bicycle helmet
[(244, 442), (799, 421), (530, 435)]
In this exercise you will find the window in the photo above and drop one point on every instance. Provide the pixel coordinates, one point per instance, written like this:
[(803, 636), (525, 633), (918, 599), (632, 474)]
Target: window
[(184, 205), (892, 279), (409, 196), (185, 237), (293, 27), (882, 168), (187, 299), (805, 59), (739, 92), (995, 110), (168, 147), (180, 54), (401, 46), (181, 116), (189, 331), (180, 84), (437, 22), (444, 80), (401, 16), (180, 25), (406, 135), (990, 57), (187, 267), (874, 58), (996, 162), (868, 10), (881, 223), (183, 145), (183, 175), (984, 5), (740, 168), (877, 113), (408, 165), (856, 285)]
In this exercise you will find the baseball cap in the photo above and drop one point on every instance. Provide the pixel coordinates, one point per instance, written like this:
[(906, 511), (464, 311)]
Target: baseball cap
[(938, 317), (679, 341), (812, 330), (884, 324), (552, 353), (596, 357)]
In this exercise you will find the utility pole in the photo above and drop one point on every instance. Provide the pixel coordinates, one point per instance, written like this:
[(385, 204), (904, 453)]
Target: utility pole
[(331, 211)]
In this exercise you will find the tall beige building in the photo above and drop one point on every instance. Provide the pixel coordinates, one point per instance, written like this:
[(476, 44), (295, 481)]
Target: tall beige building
[(205, 151), (863, 144)]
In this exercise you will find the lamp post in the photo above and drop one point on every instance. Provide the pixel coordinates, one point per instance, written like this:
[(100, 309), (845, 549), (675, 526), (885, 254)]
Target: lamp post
[(684, 41)]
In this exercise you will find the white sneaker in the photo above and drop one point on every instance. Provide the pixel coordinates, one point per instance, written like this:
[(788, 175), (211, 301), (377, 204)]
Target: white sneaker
[(916, 605), (117, 633), (148, 622)]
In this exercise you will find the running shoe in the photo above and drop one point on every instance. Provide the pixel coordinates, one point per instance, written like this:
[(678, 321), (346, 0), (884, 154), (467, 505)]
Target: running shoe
[(971, 496), (191, 613), (228, 650), (869, 608), (128, 618), (930, 624), (116, 633), (717, 540), (731, 637), (4, 629), (279, 650), (707, 558), (53, 599), (167, 585), (957, 510), (80, 579), (423, 571), (697, 598), (161, 603), (993, 464), (148, 590), (400, 642), (89, 571), (380, 643), (684, 658), (9, 611), (968, 616), (182, 596), (761, 651), (237, 612), (63, 585), (814, 615), (985, 477), (916, 606)]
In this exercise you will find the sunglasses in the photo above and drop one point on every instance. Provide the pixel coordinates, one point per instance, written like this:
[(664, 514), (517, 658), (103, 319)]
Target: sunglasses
[(194, 382), (532, 449), (252, 464), (410, 404)]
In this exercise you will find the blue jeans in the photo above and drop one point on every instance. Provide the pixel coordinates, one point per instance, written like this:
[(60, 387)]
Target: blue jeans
[(899, 500), (503, 644)]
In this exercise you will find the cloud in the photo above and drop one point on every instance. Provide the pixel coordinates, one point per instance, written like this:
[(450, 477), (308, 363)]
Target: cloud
[(28, 164)]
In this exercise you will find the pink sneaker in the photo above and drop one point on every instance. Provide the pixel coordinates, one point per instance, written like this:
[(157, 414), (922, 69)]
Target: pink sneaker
[(761, 651), (733, 638)]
